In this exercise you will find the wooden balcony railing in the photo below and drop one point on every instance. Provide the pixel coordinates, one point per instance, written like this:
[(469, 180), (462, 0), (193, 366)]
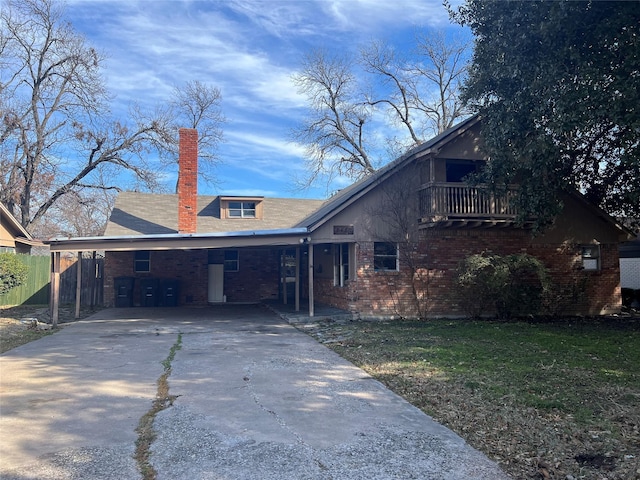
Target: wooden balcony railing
[(441, 201)]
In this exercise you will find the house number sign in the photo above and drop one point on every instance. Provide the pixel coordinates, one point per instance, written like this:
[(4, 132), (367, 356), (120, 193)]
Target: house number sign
[(343, 229)]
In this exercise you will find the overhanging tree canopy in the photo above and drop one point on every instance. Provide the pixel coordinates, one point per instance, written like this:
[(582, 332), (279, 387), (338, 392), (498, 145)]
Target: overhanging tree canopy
[(558, 87)]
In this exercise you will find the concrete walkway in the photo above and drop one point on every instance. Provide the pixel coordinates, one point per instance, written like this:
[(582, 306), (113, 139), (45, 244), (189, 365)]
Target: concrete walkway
[(255, 399)]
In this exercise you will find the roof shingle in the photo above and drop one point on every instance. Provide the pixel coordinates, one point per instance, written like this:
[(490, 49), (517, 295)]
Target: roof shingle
[(150, 214)]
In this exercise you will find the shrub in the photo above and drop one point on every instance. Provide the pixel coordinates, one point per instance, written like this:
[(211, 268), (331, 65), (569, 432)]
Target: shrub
[(511, 285), (12, 272)]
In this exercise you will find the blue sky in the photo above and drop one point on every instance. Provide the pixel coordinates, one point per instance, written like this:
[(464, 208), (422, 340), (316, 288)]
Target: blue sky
[(249, 49)]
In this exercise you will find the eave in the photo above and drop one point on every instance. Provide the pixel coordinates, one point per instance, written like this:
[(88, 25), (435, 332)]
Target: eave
[(253, 238)]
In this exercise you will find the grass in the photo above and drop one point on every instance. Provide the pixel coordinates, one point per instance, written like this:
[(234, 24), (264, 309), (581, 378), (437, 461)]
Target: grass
[(544, 399)]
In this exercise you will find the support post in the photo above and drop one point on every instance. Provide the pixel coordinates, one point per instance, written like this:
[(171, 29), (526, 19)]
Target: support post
[(311, 306), (94, 279), (283, 279), (55, 288), (297, 279), (78, 285)]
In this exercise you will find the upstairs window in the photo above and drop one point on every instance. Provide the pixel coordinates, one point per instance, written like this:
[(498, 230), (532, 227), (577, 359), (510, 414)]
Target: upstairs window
[(241, 207), (459, 170), (385, 257)]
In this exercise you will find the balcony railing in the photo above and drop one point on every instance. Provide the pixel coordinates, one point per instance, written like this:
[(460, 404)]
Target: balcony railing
[(443, 201)]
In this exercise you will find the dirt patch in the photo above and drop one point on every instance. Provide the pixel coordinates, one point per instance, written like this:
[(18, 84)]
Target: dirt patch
[(18, 323)]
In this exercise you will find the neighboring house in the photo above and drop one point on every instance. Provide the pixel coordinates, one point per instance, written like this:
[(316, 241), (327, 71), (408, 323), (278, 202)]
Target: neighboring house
[(13, 237), (387, 246)]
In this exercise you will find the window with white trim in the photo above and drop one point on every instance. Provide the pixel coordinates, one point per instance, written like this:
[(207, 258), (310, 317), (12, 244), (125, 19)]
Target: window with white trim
[(385, 257), (242, 209), (591, 257)]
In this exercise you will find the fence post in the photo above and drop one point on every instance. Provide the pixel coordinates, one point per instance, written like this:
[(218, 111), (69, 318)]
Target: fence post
[(78, 284), (55, 288)]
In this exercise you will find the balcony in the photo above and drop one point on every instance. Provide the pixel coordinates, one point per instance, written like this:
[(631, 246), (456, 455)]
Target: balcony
[(457, 201)]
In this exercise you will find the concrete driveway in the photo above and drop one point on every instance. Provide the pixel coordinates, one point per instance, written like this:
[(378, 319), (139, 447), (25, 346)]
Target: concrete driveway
[(254, 399)]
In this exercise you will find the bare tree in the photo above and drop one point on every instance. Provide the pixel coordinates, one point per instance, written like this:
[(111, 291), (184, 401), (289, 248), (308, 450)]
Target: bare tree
[(441, 69), (197, 105), (334, 132), (395, 92), (56, 137), (420, 94), (81, 213)]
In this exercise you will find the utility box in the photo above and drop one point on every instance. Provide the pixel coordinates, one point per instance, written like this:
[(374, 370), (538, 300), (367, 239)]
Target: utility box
[(149, 292), (170, 289), (124, 291)]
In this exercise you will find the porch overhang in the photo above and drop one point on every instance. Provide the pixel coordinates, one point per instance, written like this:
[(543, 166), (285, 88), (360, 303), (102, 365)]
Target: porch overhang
[(249, 238)]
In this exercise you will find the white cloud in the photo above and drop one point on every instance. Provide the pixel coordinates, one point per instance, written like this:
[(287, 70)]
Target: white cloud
[(247, 48)]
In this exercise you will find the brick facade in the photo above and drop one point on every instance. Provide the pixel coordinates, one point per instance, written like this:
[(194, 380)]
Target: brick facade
[(256, 280), (428, 287)]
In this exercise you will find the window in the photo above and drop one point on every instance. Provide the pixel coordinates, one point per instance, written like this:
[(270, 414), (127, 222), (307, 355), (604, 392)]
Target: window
[(458, 170), (141, 262), (231, 263), (7, 250), (340, 264), (242, 209), (385, 256), (591, 257)]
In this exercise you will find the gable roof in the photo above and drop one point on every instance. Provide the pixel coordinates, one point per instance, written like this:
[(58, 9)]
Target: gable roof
[(350, 194), (156, 214), (20, 234)]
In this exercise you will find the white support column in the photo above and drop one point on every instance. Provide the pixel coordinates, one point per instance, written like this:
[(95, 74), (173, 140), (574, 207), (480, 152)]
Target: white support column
[(78, 284), (311, 306), (297, 279)]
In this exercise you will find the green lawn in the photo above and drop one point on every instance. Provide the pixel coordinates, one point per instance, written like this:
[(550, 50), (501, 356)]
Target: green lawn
[(556, 398)]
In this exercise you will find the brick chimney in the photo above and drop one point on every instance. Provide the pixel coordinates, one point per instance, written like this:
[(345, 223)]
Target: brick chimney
[(188, 181)]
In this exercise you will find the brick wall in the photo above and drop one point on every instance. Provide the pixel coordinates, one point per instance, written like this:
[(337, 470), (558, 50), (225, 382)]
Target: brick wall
[(429, 289), (188, 267), (257, 279), (583, 292), (373, 294)]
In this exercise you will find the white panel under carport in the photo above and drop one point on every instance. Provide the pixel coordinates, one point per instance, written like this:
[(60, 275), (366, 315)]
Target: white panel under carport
[(630, 273), (216, 283)]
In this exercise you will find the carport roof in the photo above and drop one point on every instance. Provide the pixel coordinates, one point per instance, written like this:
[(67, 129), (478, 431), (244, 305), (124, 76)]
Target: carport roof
[(177, 241)]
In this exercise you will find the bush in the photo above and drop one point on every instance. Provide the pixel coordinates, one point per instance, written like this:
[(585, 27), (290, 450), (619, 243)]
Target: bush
[(512, 285), (12, 272)]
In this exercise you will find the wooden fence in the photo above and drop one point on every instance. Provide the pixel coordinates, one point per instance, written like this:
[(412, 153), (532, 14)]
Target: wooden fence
[(35, 291), (91, 284)]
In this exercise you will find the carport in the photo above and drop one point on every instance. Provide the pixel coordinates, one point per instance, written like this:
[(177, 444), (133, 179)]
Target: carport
[(296, 239)]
